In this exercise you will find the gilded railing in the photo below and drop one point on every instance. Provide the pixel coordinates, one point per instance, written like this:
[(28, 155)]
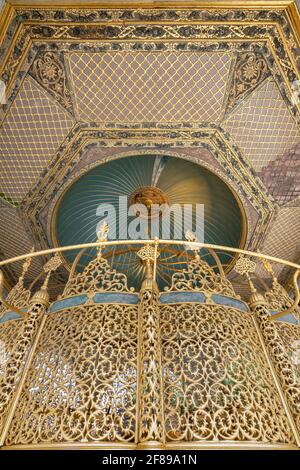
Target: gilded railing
[(192, 365)]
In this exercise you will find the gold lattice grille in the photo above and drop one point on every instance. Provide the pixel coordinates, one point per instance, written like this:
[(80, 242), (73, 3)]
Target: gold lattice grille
[(217, 385), (16, 336), (263, 126), (145, 86), (82, 383), (290, 335), (9, 332), (29, 136)]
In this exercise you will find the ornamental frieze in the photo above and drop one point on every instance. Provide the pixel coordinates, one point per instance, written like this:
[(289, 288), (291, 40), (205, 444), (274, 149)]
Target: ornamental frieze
[(157, 32)]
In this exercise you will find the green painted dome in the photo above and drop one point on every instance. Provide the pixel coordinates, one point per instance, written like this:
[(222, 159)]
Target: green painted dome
[(172, 180)]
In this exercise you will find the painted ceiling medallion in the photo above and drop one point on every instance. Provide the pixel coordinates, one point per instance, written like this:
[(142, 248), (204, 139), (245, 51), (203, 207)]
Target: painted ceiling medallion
[(149, 196), (250, 70), (48, 70)]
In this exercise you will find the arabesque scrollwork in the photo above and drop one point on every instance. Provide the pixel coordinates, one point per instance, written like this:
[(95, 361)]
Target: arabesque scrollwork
[(81, 385), (200, 276), (216, 385), (150, 369)]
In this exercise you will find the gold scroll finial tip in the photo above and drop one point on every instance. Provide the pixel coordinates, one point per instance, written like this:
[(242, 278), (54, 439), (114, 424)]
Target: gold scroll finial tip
[(148, 252), (103, 231)]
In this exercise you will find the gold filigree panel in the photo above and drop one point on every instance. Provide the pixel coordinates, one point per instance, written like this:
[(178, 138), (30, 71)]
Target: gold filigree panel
[(150, 86), (289, 334), (16, 337), (262, 126), (200, 276), (97, 276), (81, 385), (8, 374), (31, 132), (280, 338), (217, 384)]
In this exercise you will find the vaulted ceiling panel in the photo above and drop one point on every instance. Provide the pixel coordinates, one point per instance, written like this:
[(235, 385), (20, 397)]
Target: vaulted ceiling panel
[(14, 239), (150, 86), (283, 236), (282, 176), (263, 126), (134, 79), (30, 134)]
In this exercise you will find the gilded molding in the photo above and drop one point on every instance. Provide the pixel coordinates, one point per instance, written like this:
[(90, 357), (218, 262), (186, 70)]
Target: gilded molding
[(259, 24)]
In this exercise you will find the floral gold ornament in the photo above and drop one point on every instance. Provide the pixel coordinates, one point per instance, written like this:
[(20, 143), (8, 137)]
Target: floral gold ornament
[(278, 298), (102, 236), (49, 71), (42, 296), (199, 276), (18, 297), (250, 70), (98, 275), (148, 252), (244, 266)]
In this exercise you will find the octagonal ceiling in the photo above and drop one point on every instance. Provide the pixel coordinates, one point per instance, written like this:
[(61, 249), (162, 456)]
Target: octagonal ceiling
[(214, 85)]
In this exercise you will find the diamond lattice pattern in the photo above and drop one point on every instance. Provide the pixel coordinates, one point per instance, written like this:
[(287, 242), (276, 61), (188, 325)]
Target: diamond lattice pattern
[(263, 126), (29, 136), (14, 239), (149, 86), (283, 237)]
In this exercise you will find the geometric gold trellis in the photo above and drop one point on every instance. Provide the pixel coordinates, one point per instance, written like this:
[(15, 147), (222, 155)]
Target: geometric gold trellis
[(150, 86)]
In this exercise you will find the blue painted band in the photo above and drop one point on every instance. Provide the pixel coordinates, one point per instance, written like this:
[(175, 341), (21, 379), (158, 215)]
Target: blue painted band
[(178, 297), (99, 298), (10, 316)]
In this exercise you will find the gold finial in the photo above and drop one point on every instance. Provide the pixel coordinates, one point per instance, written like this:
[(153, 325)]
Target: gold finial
[(191, 237), (50, 266), (26, 266), (148, 255), (42, 296), (245, 266), (102, 236), (148, 252), (269, 268)]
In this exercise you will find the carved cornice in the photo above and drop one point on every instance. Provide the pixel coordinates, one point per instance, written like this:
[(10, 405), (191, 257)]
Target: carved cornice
[(170, 21)]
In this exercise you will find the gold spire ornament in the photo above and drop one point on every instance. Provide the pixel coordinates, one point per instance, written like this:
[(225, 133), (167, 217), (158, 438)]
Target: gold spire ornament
[(245, 266), (42, 295), (102, 237), (148, 254), (18, 296)]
